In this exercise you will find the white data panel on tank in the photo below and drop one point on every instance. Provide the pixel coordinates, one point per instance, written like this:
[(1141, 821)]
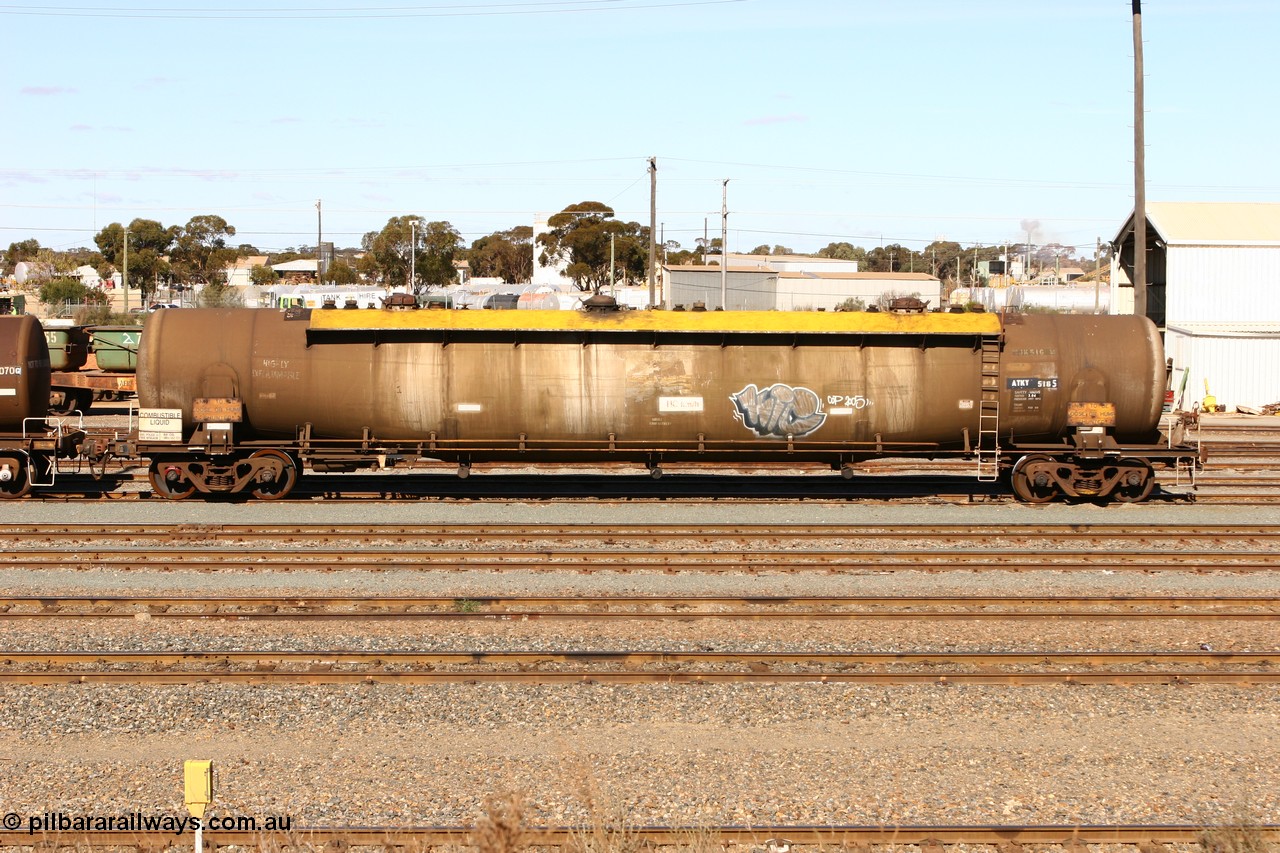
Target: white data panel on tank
[(160, 425), (679, 404)]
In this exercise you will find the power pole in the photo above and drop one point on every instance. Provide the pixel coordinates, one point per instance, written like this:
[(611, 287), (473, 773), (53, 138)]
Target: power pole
[(724, 245), (653, 231), (319, 237), (1027, 272), (1097, 271), (125, 280), (1139, 173)]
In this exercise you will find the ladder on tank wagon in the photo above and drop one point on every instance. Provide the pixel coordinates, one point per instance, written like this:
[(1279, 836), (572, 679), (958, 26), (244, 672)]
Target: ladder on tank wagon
[(988, 451)]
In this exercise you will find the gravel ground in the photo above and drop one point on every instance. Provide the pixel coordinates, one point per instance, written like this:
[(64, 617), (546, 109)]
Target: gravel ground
[(656, 754), (648, 754), (487, 583), (704, 635)]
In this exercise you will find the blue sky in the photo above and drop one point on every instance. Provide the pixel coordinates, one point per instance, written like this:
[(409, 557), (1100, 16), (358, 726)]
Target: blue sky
[(871, 121)]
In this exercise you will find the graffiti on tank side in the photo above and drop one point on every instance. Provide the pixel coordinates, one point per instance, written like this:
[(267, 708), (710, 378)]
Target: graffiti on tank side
[(781, 411), (852, 401)]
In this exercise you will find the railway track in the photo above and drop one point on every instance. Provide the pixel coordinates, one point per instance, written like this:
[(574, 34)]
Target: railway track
[(758, 839), (636, 667), (665, 548), (1157, 537), (650, 608), (218, 559)]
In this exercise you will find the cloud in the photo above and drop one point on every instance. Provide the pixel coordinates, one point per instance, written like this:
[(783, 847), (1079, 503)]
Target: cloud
[(286, 120), (153, 83), (787, 119), (80, 128), (47, 90), (361, 123), (15, 177)]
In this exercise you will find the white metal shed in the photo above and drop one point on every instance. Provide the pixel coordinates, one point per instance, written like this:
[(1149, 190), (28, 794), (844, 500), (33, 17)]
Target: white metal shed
[(1214, 286), (1208, 261), (1238, 363)]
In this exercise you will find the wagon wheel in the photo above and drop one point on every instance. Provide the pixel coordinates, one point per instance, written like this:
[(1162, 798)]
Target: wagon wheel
[(273, 490), (18, 482), (170, 489), (65, 401), (1135, 494), (1023, 486), (62, 401)]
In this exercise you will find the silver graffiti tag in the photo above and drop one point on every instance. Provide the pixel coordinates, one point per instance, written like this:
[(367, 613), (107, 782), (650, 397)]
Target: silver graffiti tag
[(779, 410)]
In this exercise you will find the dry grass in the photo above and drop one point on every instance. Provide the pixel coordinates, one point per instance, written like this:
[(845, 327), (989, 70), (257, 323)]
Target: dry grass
[(1238, 836), (606, 829), (1241, 832), (501, 829)]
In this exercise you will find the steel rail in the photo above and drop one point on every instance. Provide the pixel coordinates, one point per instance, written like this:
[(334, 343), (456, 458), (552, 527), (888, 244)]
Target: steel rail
[(333, 657), (327, 677), (627, 608), (1156, 534), (1172, 492), (1009, 838), (722, 560)]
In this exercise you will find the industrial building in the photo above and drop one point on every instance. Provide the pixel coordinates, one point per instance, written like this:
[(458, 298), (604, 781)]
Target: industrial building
[(1213, 273), (762, 288)]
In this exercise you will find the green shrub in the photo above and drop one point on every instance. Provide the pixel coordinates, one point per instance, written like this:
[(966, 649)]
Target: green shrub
[(60, 291)]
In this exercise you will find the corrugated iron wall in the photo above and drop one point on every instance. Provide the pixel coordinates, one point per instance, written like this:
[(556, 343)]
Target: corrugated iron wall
[(1222, 284), (1240, 369), (746, 291)]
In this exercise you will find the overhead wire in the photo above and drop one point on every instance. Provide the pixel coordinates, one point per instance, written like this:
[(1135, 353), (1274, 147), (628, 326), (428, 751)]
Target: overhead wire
[(538, 7)]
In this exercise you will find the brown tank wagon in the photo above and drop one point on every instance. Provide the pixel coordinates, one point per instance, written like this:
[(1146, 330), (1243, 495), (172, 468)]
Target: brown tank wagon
[(30, 442), (242, 399), (24, 371)]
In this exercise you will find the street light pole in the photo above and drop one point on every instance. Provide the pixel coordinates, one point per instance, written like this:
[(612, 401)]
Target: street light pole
[(413, 256), (126, 271), (724, 245), (653, 227)]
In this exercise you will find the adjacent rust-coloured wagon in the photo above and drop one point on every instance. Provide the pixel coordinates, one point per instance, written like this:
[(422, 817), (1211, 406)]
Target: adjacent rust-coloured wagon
[(90, 363), (29, 443)]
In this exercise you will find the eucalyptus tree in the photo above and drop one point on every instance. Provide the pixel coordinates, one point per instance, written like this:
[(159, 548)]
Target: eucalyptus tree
[(406, 245), (201, 253), (149, 244), (507, 255), (585, 236)]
